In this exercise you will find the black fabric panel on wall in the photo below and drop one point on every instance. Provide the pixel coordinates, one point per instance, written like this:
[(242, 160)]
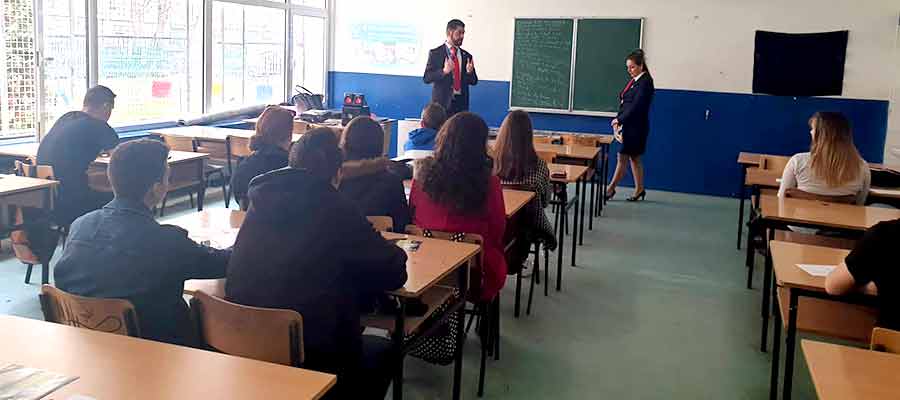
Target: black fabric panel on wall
[(804, 64)]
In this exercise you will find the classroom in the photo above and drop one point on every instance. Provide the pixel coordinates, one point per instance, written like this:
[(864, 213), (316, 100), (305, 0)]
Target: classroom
[(414, 199)]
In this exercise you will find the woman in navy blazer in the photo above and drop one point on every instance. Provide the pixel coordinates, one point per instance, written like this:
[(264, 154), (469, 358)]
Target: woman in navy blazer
[(632, 124)]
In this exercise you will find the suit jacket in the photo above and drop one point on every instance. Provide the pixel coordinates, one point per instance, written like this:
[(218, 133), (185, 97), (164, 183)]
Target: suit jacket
[(442, 85), (634, 109)]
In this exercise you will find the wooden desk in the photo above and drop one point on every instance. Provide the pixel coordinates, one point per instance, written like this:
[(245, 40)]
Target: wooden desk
[(819, 310), (208, 133), (586, 153), (22, 151), (186, 172), (426, 267), (848, 373), (24, 192), (576, 174), (514, 200), (112, 366)]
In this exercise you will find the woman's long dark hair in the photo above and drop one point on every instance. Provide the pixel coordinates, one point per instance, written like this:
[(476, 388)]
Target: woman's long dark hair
[(514, 153), (461, 170)]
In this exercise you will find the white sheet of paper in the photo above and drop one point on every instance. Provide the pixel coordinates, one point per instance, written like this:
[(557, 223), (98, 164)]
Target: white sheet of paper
[(817, 270)]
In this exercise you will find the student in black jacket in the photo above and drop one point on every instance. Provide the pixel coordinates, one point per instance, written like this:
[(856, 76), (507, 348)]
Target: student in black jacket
[(370, 181), (303, 246), (120, 251), (71, 145), (632, 124), (270, 145)]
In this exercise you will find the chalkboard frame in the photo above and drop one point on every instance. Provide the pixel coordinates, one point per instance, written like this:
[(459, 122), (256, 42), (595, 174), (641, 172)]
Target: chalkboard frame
[(571, 110)]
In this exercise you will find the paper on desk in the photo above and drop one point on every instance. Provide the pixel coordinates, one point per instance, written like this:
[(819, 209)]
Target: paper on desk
[(22, 383), (817, 270)]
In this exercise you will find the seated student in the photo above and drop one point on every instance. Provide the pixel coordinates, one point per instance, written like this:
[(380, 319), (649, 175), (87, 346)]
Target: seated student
[(270, 145), (372, 182), (71, 145), (305, 247), (833, 166), (517, 163), (120, 251), (433, 117), (871, 263), (456, 192)]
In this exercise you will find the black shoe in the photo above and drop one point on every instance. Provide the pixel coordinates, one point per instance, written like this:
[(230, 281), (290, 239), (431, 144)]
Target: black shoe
[(639, 196), (609, 196)]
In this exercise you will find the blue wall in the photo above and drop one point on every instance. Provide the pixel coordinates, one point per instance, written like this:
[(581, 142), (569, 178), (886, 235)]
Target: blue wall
[(686, 152)]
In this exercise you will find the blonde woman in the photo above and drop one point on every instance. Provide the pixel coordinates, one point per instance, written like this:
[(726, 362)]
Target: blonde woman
[(833, 166)]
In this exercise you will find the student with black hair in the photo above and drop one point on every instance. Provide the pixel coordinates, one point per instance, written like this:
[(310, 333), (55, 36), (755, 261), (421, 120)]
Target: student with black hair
[(450, 71), (121, 252), (71, 145), (305, 247)]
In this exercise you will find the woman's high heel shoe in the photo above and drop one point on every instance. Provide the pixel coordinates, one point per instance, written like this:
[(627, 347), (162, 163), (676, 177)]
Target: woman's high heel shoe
[(638, 196), (608, 196)]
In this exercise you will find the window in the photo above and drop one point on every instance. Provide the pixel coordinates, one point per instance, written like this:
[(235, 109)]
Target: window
[(64, 64), (18, 76), (144, 58), (247, 56), (308, 64), (154, 55)]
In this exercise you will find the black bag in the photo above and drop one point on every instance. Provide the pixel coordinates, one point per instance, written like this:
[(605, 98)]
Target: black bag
[(306, 100)]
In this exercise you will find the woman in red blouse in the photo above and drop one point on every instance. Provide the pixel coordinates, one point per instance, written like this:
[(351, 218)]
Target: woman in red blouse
[(457, 192)]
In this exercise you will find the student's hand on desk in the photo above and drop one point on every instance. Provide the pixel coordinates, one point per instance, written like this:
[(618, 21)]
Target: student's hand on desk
[(448, 66), (470, 66)]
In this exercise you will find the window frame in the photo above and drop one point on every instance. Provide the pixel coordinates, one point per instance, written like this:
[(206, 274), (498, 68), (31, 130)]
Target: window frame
[(92, 59)]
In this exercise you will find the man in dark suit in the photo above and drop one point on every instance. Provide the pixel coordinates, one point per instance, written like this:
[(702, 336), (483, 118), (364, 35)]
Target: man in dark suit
[(451, 71)]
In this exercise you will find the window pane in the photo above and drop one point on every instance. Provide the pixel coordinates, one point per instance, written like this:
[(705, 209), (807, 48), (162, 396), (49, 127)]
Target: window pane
[(311, 3), (248, 56), (308, 65), (65, 65), (18, 89), (143, 58)]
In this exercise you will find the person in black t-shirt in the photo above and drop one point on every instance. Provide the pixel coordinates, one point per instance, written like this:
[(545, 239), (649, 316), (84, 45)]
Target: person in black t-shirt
[(74, 141), (873, 262)]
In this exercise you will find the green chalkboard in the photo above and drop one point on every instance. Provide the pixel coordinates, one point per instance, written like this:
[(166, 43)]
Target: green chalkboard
[(600, 71), (542, 63)]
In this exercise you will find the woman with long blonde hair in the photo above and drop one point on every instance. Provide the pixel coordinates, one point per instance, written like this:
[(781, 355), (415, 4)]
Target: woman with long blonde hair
[(833, 166)]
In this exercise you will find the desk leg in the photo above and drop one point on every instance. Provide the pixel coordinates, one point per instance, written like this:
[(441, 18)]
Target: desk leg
[(767, 288), (560, 245), (593, 200), (461, 335), (581, 212), (201, 190), (397, 338), (742, 193), (776, 355), (605, 179), (789, 346), (576, 199)]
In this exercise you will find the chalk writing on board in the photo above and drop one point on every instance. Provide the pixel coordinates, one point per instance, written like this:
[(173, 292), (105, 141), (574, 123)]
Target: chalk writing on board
[(542, 63)]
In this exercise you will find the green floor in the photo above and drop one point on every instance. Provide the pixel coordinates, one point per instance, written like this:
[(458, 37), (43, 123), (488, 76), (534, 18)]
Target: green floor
[(655, 309)]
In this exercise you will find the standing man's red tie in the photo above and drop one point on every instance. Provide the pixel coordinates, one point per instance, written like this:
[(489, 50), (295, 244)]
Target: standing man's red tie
[(457, 72)]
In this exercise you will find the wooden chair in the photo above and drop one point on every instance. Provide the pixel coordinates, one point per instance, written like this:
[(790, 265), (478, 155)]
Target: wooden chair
[(264, 334), (885, 340), (773, 163), (536, 252), (189, 144), (487, 313), (381, 223), (237, 148), (106, 315), (547, 156), (218, 163), (543, 139), (21, 245)]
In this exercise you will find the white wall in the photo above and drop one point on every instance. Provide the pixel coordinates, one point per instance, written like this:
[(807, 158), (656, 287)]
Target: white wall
[(892, 147), (691, 44)]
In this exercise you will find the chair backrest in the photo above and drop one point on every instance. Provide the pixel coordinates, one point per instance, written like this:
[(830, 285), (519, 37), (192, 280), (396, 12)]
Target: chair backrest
[(547, 156), (265, 334), (475, 265), (34, 171), (381, 223), (799, 194), (106, 315), (569, 139), (239, 146), (218, 151), (180, 143), (773, 163), (885, 340)]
